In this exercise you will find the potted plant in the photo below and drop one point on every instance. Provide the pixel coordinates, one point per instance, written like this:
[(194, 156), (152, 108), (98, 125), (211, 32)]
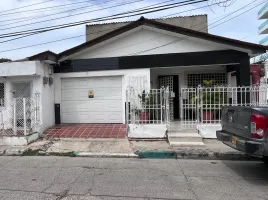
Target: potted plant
[(210, 100), (145, 112)]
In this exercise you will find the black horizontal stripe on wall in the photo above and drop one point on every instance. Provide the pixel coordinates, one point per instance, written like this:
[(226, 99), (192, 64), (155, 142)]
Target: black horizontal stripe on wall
[(152, 61)]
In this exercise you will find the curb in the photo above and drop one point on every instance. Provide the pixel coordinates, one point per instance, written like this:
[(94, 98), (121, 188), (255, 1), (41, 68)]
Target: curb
[(105, 155), (197, 155), (157, 154), (214, 156)]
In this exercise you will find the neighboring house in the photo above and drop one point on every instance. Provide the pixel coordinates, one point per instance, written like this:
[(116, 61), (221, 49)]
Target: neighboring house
[(30, 79), (91, 79)]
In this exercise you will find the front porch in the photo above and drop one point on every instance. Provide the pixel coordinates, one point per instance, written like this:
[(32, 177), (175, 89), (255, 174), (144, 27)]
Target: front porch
[(180, 103)]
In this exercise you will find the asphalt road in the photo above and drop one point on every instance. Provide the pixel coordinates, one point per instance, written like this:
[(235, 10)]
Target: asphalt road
[(66, 178)]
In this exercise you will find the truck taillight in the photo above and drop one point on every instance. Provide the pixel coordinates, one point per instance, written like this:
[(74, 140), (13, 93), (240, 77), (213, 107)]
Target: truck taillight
[(259, 125)]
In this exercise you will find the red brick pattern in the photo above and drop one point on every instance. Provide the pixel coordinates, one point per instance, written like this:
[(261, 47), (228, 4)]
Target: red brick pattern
[(87, 131)]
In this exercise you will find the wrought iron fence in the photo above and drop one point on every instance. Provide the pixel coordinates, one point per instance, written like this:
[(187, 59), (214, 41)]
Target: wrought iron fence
[(19, 116), (202, 105), (147, 107)]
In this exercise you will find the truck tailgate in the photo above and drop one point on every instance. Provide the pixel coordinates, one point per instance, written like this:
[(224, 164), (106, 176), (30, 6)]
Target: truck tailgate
[(237, 120)]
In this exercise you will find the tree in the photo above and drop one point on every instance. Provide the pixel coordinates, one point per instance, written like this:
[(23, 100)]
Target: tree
[(4, 60)]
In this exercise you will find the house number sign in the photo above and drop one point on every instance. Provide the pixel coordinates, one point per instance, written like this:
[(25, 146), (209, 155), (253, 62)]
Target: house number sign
[(91, 94)]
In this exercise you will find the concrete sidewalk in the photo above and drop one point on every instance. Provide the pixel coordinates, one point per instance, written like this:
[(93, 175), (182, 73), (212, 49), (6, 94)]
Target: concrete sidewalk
[(123, 148)]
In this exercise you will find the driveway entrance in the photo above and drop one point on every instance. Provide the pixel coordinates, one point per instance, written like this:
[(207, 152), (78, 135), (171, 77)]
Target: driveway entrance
[(87, 131)]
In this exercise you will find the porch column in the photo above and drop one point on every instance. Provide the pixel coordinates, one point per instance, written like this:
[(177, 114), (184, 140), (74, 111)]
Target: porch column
[(243, 72), (243, 79)]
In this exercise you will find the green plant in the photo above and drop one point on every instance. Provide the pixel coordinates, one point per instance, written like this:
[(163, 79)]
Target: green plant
[(211, 97), (148, 102)]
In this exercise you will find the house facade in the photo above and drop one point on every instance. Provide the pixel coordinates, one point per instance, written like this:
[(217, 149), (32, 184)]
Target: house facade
[(151, 49), (91, 80)]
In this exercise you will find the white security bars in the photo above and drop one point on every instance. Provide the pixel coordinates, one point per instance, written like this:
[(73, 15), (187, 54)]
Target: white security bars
[(147, 107), (202, 105), (19, 116)]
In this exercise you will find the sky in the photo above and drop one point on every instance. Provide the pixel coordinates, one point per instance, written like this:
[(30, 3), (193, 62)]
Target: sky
[(244, 27)]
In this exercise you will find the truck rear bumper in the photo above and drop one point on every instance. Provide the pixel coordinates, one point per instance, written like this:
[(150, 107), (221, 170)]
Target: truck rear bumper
[(252, 148)]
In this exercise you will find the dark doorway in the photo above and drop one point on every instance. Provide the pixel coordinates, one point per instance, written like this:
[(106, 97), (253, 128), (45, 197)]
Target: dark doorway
[(172, 81)]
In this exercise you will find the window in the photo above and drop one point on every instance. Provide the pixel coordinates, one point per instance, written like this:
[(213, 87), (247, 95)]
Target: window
[(197, 79), (2, 94)]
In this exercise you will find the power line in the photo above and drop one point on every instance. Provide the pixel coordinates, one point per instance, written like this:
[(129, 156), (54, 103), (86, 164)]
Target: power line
[(112, 6), (229, 14), (22, 19), (115, 28), (84, 35), (111, 17), (58, 40), (178, 40), (81, 36), (26, 6), (44, 31), (41, 12), (56, 6), (238, 15), (14, 19)]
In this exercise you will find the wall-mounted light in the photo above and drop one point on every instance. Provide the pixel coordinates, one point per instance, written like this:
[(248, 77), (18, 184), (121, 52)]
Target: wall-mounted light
[(50, 81), (45, 80)]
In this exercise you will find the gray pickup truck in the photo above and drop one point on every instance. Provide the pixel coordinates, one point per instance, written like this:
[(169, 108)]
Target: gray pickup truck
[(245, 129)]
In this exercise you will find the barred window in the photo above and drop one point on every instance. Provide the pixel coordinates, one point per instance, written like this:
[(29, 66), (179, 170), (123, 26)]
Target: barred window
[(2, 94), (197, 79)]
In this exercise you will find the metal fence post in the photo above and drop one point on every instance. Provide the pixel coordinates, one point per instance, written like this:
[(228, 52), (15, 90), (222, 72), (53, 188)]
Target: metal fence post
[(127, 108), (15, 116), (198, 104), (161, 104), (2, 118), (24, 117)]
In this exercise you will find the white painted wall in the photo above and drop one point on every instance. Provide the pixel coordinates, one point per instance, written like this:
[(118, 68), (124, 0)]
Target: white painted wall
[(124, 73), (144, 39), (20, 68), (47, 100)]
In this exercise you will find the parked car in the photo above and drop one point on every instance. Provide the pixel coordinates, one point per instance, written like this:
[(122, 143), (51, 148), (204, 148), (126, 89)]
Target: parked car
[(245, 129)]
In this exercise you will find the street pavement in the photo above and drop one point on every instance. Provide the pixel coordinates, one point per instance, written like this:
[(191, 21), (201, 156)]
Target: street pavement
[(77, 178)]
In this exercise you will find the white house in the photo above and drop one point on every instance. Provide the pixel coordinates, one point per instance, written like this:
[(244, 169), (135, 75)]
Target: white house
[(149, 48), (30, 79), (91, 80)]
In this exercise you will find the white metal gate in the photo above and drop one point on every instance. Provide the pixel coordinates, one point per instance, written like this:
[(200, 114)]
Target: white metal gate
[(202, 105), (19, 116), (148, 106)]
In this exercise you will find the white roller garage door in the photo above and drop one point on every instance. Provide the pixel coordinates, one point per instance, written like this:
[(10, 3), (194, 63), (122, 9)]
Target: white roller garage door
[(105, 107)]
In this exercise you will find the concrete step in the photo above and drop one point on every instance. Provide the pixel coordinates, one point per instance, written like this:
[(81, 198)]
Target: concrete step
[(185, 139)]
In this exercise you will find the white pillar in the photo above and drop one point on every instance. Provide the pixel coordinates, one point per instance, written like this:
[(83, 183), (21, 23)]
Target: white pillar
[(24, 116)]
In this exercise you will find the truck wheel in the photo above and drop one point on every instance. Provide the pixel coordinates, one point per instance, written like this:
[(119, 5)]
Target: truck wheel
[(265, 159)]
